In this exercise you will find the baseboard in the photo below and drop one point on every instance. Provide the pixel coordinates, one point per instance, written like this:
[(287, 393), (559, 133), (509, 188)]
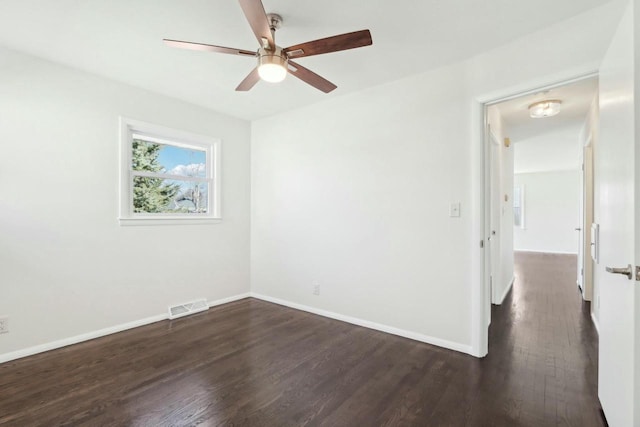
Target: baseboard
[(370, 325), (30, 351), (506, 290), (595, 323), (229, 299), (537, 251)]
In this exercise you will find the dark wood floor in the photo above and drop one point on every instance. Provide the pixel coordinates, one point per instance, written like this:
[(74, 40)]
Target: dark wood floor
[(252, 363)]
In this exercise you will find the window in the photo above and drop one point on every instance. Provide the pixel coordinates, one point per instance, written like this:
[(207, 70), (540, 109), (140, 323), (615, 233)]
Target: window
[(518, 206), (167, 176)]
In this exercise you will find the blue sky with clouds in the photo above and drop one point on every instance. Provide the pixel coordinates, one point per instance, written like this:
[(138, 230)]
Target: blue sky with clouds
[(179, 160)]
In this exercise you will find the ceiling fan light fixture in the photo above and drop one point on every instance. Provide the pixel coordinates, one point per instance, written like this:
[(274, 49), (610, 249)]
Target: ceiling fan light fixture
[(272, 65), (273, 61), (546, 108)]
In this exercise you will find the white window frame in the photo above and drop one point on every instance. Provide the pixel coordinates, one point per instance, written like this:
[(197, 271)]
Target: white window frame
[(168, 136)]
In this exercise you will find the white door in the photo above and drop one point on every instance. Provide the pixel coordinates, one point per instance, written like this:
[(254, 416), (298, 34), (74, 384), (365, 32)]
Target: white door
[(494, 239), (580, 229), (587, 220), (618, 373)]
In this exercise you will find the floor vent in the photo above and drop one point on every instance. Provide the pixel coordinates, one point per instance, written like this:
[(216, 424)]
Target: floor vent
[(188, 308)]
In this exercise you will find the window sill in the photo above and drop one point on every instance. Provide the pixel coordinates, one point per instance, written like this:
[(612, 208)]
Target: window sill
[(168, 221)]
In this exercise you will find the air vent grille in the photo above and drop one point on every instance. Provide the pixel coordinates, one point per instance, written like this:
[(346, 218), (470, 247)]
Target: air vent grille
[(187, 308)]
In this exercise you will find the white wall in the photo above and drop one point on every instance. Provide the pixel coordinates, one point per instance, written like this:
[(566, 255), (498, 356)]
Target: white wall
[(67, 267), (354, 192), (551, 212), (548, 167), (356, 195), (548, 152)]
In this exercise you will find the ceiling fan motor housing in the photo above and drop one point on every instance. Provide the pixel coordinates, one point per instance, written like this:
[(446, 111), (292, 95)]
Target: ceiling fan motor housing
[(276, 56)]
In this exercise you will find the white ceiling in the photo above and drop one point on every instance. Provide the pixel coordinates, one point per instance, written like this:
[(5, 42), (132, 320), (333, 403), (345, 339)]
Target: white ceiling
[(576, 99), (121, 40)]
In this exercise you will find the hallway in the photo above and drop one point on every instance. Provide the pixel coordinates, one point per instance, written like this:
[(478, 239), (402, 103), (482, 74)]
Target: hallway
[(543, 347)]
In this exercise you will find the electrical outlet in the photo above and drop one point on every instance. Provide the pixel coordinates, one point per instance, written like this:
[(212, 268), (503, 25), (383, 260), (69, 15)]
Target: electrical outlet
[(316, 288), (4, 325)]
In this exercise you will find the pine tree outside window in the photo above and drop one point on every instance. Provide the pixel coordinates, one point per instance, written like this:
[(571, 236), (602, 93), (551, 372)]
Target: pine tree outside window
[(167, 176)]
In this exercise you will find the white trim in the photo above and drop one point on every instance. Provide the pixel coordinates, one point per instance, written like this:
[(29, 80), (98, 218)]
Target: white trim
[(367, 324), (479, 267), (537, 251), (146, 131), (144, 174), (79, 338), (493, 136), (531, 172), (227, 300), (30, 351), (506, 290), (169, 221), (595, 322), (531, 89)]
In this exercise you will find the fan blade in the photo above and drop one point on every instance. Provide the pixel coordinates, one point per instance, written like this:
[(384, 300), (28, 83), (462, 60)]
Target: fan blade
[(331, 44), (207, 47), (310, 77), (257, 17), (249, 81)]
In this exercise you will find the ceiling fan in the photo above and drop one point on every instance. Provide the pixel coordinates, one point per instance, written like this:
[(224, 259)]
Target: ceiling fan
[(274, 61)]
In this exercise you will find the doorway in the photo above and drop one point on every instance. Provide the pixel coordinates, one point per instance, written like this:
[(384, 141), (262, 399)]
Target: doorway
[(540, 195), (539, 205)]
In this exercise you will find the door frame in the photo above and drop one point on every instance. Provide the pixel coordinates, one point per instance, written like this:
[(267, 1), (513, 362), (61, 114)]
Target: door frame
[(481, 203)]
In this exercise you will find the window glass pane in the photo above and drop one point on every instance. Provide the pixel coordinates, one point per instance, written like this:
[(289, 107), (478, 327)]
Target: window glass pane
[(153, 157), (156, 195), (192, 197)]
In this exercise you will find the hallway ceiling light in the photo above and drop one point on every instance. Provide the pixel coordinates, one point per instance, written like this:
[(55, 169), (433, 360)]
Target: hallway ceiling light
[(546, 108)]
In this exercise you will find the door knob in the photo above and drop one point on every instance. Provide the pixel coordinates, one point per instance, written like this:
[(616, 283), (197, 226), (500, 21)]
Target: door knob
[(625, 271), (578, 229)]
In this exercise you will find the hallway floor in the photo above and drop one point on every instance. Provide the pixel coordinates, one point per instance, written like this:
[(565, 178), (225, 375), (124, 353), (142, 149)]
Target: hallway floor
[(543, 347)]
